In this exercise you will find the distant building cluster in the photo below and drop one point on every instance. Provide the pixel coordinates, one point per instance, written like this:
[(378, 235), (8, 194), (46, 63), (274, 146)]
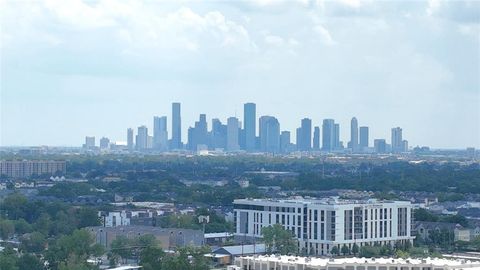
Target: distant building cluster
[(235, 135), (27, 168)]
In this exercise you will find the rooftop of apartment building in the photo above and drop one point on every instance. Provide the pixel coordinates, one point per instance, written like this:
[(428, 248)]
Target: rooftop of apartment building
[(419, 262), (321, 201)]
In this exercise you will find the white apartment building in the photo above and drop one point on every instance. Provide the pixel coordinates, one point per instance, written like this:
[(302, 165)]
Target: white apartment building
[(319, 225)]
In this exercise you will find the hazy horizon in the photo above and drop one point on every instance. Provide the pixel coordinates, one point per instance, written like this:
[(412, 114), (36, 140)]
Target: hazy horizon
[(76, 69)]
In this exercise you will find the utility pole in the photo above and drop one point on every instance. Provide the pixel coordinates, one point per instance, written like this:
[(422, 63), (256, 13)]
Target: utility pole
[(203, 220)]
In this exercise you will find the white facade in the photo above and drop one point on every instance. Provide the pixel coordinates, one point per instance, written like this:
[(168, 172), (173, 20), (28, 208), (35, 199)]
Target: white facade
[(319, 225), (114, 219)]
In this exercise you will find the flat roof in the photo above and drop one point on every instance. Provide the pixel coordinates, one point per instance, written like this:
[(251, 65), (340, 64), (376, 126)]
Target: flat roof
[(126, 267), (322, 201), (217, 235), (365, 261)]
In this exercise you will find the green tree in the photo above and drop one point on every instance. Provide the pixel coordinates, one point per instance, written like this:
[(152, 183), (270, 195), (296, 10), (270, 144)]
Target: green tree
[(30, 262), (355, 249), (476, 243), (457, 219), (345, 250), (15, 206), (33, 242), (8, 259), (386, 250), (422, 214), (43, 224), (151, 258), (75, 262), (7, 228), (87, 217), (335, 250), (279, 240), (73, 250), (62, 224), (369, 251), (418, 252), (22, 226), (402, 254), (122, 247)]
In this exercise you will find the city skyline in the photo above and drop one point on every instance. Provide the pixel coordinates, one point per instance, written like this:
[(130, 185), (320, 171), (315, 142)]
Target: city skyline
[(92, 68), (231, 136), (158, 124)]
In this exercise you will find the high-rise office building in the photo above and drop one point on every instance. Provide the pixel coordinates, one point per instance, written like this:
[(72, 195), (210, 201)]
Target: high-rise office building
[(89, 142), (269, 134), (363, 138), (273, 136), (354, 134), (336, 136), (298, 133), (404, 146), (201, 128), (149, 142), (262, 126), (380, 146), (328, 135), (304, 135), (142, 138), (397, 145), (176, 142), (160, 133), (218, 135), (285, 141), (232, 134), (130, 143), (198, 135), (249, 121), (241, 136), (316, 138), (104, 143)]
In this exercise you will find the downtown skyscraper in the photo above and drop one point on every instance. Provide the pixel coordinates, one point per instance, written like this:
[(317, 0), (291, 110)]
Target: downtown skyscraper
[(269, 134), (316, 139), (328, 135), (397, 140), (130, 141), (354, 135), (160, 133), (176, 142), (232, 134), (363, 138), (304, 135), (141, 142), (198, 135), (249, 122)]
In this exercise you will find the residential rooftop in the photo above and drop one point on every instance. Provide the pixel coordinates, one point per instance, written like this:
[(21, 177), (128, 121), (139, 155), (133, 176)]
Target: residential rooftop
[(323, 201), (331, 262)]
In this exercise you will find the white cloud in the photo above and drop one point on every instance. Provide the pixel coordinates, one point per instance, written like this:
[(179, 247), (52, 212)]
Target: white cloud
[(351, 3), (131, 22), (274, 40), (324, 35)]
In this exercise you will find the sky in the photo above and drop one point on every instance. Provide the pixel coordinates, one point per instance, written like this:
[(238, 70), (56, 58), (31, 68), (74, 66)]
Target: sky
[(74, 68)]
